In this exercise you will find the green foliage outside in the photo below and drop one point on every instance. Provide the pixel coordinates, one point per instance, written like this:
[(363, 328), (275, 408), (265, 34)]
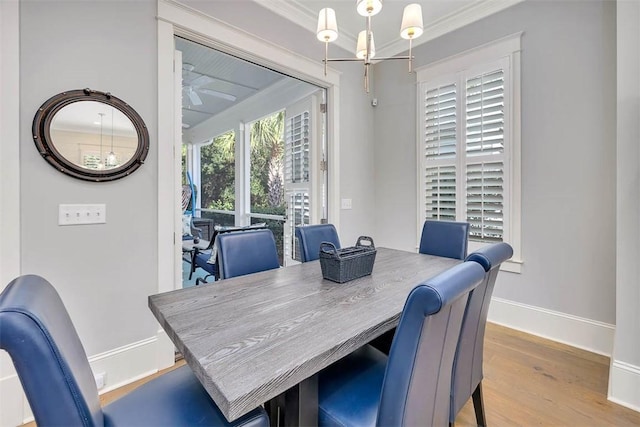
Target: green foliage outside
[(218, 173), (266, 174), (267, 150)]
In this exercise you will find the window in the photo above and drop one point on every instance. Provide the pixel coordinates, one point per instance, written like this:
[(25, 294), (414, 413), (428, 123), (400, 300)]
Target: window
[(469, 143)]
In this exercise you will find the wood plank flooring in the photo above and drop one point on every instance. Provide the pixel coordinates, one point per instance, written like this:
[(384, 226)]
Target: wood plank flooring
[(530, 381)]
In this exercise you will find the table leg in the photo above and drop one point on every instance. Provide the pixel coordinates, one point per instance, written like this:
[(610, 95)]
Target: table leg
[(296, 407), (301, 404)]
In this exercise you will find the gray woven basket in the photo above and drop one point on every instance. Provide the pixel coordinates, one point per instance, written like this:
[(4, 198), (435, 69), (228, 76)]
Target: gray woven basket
[(342, 265)]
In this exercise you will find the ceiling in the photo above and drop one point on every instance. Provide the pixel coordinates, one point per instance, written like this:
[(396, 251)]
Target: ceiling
[(214, 81), (439, 17)]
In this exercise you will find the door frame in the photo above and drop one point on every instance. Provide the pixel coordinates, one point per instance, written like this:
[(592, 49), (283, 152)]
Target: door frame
[(175, 19)]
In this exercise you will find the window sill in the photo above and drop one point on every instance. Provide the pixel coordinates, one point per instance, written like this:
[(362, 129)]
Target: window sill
[(512, 266)]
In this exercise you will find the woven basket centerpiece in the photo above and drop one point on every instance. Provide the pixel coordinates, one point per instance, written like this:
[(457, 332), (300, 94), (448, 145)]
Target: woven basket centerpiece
[(342, 265)]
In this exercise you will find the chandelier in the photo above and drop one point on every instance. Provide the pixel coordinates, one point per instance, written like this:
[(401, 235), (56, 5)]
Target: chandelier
[(327, 32)]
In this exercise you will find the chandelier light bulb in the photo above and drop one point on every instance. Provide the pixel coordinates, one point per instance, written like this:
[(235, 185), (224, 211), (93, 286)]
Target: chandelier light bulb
[(361, 47), (327, 25), (368, 7), (112, 160), (412, 27)]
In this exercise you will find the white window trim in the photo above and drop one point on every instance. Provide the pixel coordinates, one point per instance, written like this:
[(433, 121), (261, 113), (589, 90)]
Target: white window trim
[(508, 47)]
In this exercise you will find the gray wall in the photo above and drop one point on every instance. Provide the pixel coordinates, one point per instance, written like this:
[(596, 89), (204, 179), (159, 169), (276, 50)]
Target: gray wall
[(568, 151), (102, 270), (104, 273), (568, 154)]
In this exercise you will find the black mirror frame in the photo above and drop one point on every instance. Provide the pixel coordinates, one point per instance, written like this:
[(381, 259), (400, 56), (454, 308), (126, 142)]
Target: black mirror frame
[(46, 148)]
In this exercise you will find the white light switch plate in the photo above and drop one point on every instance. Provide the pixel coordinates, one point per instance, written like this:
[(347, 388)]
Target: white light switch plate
[(82, 214), (345, 204)]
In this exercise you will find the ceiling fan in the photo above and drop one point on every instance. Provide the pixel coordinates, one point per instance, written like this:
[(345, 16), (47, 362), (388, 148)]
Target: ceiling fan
[(194, 88)]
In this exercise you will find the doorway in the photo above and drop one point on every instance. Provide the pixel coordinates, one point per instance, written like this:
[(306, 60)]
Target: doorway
[(209, 31), (254, 144)]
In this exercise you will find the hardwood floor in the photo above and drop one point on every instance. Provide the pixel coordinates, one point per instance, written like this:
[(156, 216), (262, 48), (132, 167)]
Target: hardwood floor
[(533, 381), (529, 381)]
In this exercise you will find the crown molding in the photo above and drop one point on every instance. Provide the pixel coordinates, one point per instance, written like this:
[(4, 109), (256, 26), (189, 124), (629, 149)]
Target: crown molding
[(449, 23), (296, 12)]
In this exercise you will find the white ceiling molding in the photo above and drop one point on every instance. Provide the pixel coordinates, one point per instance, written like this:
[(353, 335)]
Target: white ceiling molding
[(451, 22), (307, 18), (297, 12)]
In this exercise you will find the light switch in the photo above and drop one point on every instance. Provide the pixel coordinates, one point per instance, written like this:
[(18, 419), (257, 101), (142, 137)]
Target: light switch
[(345, 203), (82, 214)]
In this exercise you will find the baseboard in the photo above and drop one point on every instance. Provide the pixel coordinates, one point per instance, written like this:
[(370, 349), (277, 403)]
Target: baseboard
[(575, 331), (126, 364), (624, 385)]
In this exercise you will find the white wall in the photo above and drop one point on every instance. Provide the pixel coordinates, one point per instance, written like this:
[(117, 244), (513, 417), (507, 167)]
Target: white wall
[(624, 380), (568, 162)]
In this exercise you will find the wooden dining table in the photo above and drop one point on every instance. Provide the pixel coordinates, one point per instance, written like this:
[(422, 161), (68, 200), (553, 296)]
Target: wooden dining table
[(253, 339)]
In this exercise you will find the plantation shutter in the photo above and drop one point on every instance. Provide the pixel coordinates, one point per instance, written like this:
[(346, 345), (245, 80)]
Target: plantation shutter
[(440, 147), (484, 151), (297, 172), (297, 148), (468, 143)]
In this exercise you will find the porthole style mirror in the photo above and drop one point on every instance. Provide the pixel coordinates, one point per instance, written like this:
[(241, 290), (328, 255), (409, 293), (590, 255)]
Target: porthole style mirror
[(90, 135)]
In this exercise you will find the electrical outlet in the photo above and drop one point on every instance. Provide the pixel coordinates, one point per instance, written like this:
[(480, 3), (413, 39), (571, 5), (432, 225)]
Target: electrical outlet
[(101, 380), (82, 214)]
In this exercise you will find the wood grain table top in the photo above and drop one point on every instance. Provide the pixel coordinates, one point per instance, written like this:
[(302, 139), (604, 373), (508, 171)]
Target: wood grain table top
[(250, 338)]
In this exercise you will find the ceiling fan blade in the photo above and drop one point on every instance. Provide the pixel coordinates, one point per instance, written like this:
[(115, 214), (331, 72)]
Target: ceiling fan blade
[(201, 80), (193, 97), (222, 95)]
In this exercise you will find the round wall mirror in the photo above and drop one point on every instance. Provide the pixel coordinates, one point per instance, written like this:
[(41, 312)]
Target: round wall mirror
[(90, 135)]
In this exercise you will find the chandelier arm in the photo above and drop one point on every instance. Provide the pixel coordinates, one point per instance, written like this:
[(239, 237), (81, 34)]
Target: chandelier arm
[(410, 57), (366, 77), (373, 61), (367, 57), (326, 54), (344, 60)]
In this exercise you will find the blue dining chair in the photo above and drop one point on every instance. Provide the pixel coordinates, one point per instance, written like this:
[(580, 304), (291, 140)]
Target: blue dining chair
[(467, 366), (37, 332), (310, 237), (440, 238), (444, 238), (410, 387), (246, 252), (206, 258)]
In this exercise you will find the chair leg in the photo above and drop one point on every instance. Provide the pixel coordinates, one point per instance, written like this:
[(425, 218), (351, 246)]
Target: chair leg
[(193, 263), (478, 405)]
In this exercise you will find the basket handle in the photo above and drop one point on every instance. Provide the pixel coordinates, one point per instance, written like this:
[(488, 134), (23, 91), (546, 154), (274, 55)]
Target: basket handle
[(365, 239), (329, 248)]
